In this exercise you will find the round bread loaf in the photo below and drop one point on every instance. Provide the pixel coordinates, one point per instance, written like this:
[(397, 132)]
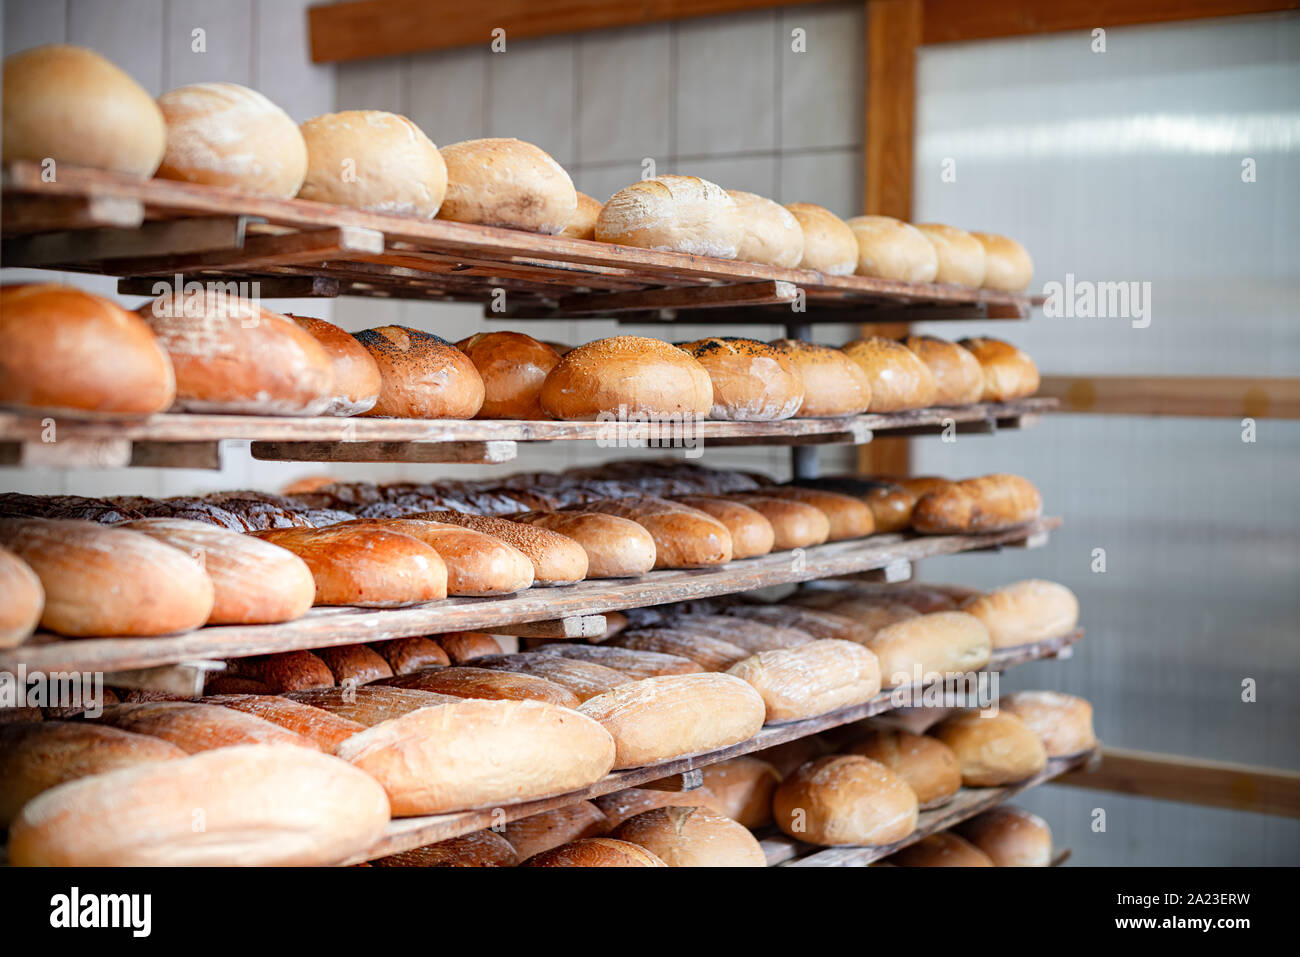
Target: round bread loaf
[(993, 747), (530, 836), (889, 248), (692, 837), (751, 533), (68, 349), (478, 849), (372, 160), (752, 381), (833, 384), (285, 671), (583, 223), (224, 134), (424, 376), (941, 643), (961, 255), (1063, 722), (828, 243), (462, 646), (356, 376), (23, 602), (616, 547), (513, 367), (1010, 836), (507, 182), (1008, 372), (354, 664), (794, 524), (845, 799), (811, 679), (899, 379), (926, 764), (1025, 612), (772, 235), (682, 214), (958, 375), (405, 655), (627, 375), (596, 852), (69, 104), (1007, 265), (941, 850), (742, 789)]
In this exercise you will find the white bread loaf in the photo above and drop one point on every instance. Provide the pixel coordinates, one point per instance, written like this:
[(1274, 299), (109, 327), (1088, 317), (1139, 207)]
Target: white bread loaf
[(626, 375), (1025, 611), (24, 599), (945, 642), (683, 214), (507, 182), (1063, 722), (845, 799), (1010, 836), (692, 837), (772, 235), (927, 764), (583, 223), (993, 747), (1007, 265), (889, 248), (960, 255), (828, 243), (815, 678)]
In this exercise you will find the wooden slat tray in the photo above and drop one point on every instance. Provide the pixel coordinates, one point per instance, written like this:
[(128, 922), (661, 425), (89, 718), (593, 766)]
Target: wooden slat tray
[(404, 834), (142, 230), (325, 627)]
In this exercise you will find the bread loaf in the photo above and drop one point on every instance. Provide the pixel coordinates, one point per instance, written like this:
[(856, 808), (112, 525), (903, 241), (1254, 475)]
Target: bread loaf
[(848, 517), (943, 643), (833, 384), (1026, 611), (107, 581), (477, 564), (286, 671), (315, 724), (684, 537), (356, 375), (596, 852), (681, 214), (742, 789), (927, 764), (362, 564), (941, 850), (890, 504), (372, 160), (1008, 372), (513, 367), (828, 243), (845, 799), (533, 835), (960, 255), (472, 682), (507, 182), (772, 236), (752, 381), (258, 805), (556, 558), (692, 837), (586, 679), (1063, 722), (711, 654), (195, 727), (69, 104), (990, 503), (38, 755), (355, 664), (224, 134), (658, 719), (870, 614), (616, 547), (478, 849), (68, 349), (1007, 265), (812, 679), (476, 753), (583, 223), (794, 524), (459, 647), (369, 705), (888, 248), (751, 533), (918, 485), (810, 621), (254, 582), (993, 747), (422, 376), (405, 655), (223, 684), (618, 806), (626, 376), (1010, 836), (958, 376), (899, 379), (24, 599), (631, 662), (753, 636)]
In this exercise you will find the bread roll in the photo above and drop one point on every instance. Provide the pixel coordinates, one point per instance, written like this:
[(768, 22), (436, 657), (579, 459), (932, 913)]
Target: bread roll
[(424, 377), (507, 182), (254, 582), (618, 806), (366, 565), (286, 671), (845, 799), (918, 485), (38, 755), (478, 849), (742, 789), (1007, 265), (356, 664), (958, 376), (1008, 372), (848, 517), (627, 376), (828, 243), (24, 599), (616, 547), (751, 533), (1026, 611), (258, 805), (533, 835), (794, 524), (472, 682), (476, 753), (369, 705), (477, 564), (993, 747), (658, 719), (583, 223), (682, 214), (629, 661), (356, 376), (68, 349), (818, 624), (888, 248), (107, 581), (753, 636), (405, 655), (1063, 722), (1010, 836), (899, 379), (596, 852), (195, 727), (692, 837), (372, 160), (586, 679), (890, 504), (927, 764), (945, 642), (69, 104), (961, 255), (224, 134), (833, 384), (556, 559), (990, 503), (752, 381), (812, 679), (772, 236), (941, 850), (711, 654), (513, 367), (684, 537)]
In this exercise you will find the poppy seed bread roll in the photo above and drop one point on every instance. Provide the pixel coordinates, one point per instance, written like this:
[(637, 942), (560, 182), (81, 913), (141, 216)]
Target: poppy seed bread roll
[(423, 376), (624, 376), (752, 381)]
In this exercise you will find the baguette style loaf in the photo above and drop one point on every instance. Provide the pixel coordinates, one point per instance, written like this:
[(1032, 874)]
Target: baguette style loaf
[(1025, 612), (812, 679), (616, 547), (986, 504), (469, 682), (944, 642)]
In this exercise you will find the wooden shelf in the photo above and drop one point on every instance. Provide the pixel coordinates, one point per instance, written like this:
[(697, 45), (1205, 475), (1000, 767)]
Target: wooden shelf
[(149, 231), (404, 834), (1200, 396), (325, 627)]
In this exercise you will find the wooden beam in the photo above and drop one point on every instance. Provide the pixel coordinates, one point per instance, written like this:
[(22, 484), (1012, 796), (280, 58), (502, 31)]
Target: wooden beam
[(1169, 777), (1208, 396)]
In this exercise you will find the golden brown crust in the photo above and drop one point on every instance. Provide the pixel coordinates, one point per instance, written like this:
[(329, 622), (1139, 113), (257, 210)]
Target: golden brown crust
[(286, 671), (794, 524), (889, 248), (848, 517), (423, 376), (993, 748), (326, 729), (462, 646), (833, 383), (692, 837), (684, 537), (772, 234), (944, 849), (958, 376), (513, 367), (476, 563), (463, 681), (828, 243), (845, 799), (927, 764), (24, 599), (583, 223), (507, 182), (556, 559), (405, 655), (751, 533), (596, 852), (1008, 372), (586, 679), (533, 835), (811, 679), (986, 504), (752, 381), (369, 705), (1063, 722), (357, 664), (356, 376), (616, 547), (1010, 836), (960, 255), (623, 375), (899, 379), (1007, 263)]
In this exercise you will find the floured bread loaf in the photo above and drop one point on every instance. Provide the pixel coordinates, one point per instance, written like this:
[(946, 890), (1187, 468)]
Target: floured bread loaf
[(507, 182), (681, 214), (812, 679)]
